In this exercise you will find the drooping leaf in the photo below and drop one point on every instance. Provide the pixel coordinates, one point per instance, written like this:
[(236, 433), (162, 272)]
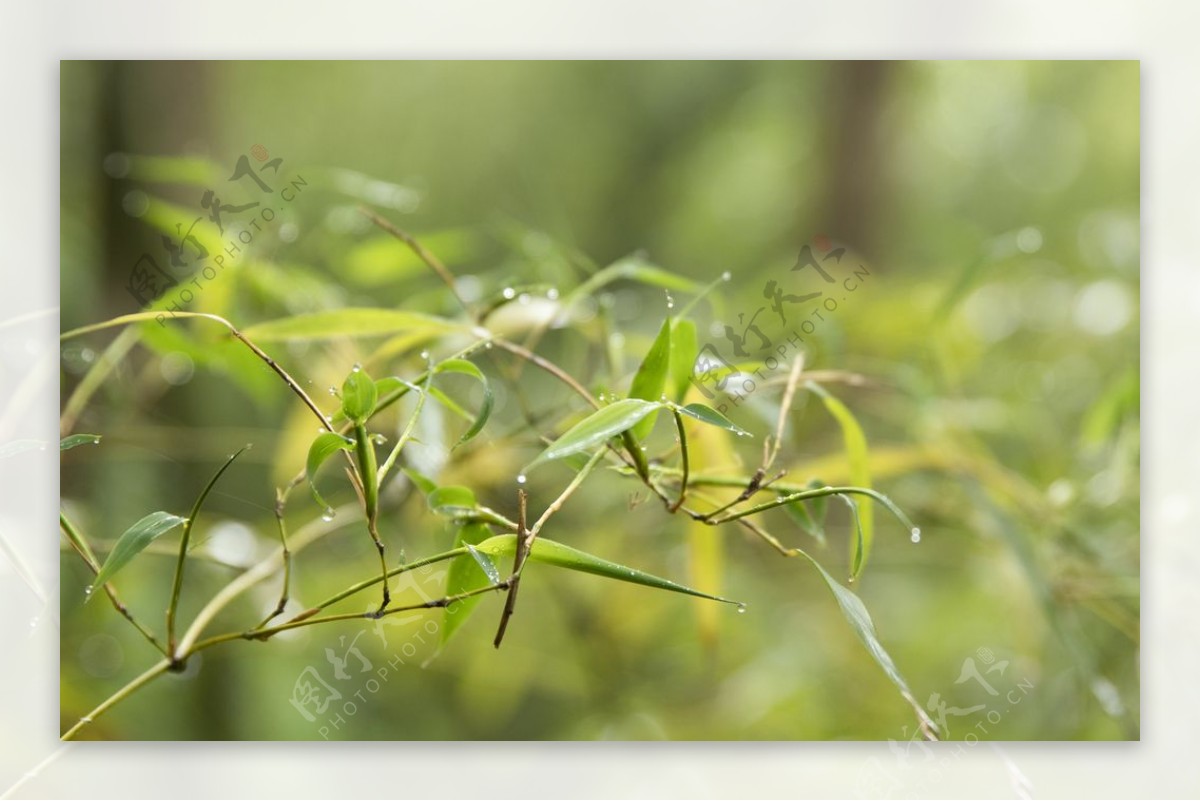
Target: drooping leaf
[(684, 351), (651, 377), (76, 440), (351, 322), (132, 542), (485, 409), (633, 268), (706, 414), (358, 395), (860, 620), (855, 443), (810, 514), (856, 536), (452, 501), (597, 428), (324, 446), (466, 575), (564, 556)]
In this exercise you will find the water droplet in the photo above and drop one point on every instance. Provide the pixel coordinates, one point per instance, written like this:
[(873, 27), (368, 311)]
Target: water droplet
[(333, 391), (379, 439), (741, 609), (509, 293), (670, 300), (850, 580), (552, 293), (726, 276), (521, 479), (425, 355), (357, 368), (487, 345), (328, 514), (87, 592), (916, 535)]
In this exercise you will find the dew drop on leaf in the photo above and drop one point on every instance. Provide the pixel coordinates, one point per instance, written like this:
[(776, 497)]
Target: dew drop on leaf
[(328, 514)]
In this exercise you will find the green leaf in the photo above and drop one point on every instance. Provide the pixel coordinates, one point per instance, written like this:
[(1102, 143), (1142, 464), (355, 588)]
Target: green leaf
[(78, 439), (466, 575), (132, 542), (324, 446), (424, 483), (810, 514), (857, 565), (684, 351), (485, 410), (651, 377), (633, 268), (597, 428), (452, 501), (711, 416), (559, 555), (358, 395), (855, 443), (352, 322), (860, 620)]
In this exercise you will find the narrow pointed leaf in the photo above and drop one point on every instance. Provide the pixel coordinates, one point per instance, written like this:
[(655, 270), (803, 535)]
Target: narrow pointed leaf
[(855, 443), (485, 410), (466, 575), (358, 395), (597, 428), (348, 322), (132, 542), (324, 446), (76, 440), (452, 501), (860, 620), (810, 514), (706, 414), (651, 377), (559, 555), (684, 351)]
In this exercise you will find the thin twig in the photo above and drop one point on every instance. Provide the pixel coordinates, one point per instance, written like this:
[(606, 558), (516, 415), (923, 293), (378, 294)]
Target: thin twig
[(431, 261), (521, 552)]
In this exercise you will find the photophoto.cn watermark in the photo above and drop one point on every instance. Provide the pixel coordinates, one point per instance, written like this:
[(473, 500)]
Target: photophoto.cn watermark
[(818, 285), (185, 266), (329, 695), (996, 692)]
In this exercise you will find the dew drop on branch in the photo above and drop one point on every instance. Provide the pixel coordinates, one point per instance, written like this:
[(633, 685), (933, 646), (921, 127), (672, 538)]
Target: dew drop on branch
[(916, 535), (328, 514), (521, 478)]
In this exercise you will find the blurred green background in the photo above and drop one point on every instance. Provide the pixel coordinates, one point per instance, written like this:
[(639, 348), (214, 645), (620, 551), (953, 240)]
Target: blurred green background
[(995, 204)]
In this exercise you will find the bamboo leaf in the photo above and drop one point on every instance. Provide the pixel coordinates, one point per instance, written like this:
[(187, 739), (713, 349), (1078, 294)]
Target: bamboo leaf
[(705, 414), (485, 410), (358, 395), (324, 446), (466, 575), (651, 377), (452, 501), (860, 620), (351, 322), (809, 515), (132, 542), (597, 428), (855, 444), (76, 440), (564, 556), (684, 351)]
